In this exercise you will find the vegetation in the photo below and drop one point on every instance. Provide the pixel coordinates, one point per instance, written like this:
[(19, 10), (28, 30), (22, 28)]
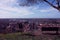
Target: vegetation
[(19, 36)]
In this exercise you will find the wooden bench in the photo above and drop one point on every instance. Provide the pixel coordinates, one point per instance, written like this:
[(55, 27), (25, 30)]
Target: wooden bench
[(50, 29)]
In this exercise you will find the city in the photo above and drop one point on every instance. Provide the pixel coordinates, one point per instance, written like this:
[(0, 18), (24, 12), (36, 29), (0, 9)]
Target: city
[(35, 26)]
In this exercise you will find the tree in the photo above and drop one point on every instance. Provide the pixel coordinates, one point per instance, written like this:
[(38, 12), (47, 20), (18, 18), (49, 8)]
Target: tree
[(54, 3)]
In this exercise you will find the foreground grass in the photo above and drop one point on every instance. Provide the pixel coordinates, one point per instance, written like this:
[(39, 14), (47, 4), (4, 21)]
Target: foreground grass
[(19, 36)]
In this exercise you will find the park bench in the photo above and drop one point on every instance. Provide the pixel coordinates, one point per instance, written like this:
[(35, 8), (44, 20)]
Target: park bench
[(50, 30)]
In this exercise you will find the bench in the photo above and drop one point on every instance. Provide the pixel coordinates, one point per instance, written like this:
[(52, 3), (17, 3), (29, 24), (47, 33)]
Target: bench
[(50, 30)]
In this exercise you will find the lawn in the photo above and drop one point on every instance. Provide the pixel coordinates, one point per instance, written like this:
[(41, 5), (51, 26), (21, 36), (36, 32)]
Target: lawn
[(19, 36)]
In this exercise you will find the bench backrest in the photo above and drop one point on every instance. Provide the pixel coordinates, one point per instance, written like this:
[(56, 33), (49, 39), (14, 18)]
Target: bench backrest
[(50, 28)]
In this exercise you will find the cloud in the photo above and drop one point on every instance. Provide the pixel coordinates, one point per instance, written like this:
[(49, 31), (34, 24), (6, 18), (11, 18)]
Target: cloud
[(10, 9), (51, 9), (48, 12)]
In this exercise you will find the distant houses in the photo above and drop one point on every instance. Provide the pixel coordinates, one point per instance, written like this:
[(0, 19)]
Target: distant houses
[(34, 26)]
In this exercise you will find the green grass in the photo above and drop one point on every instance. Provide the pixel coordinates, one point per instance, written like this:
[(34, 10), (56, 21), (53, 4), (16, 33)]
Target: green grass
[(19, 36)]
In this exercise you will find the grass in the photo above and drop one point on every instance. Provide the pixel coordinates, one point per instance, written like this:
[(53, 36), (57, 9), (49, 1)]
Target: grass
[(19, 36)]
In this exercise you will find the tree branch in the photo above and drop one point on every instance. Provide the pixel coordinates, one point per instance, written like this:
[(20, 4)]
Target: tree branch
[(58, 3), (52, 5)]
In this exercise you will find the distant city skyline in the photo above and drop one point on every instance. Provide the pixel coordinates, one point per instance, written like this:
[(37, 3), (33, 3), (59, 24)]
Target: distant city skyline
[(11, 9)]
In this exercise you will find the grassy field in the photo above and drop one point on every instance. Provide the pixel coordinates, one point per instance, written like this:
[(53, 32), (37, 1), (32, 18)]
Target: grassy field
[(18, 36)]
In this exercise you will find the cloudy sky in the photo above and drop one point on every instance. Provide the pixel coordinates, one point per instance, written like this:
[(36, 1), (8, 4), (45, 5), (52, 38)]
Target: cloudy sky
[(11, 9)]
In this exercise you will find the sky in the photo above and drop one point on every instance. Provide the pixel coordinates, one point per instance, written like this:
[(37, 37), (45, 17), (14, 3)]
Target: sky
[(11, 9)]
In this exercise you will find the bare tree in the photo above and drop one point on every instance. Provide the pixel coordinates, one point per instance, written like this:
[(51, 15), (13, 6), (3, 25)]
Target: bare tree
[(54, 3)]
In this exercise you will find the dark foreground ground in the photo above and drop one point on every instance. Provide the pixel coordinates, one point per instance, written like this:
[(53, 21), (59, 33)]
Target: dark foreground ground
[(19, 36)]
